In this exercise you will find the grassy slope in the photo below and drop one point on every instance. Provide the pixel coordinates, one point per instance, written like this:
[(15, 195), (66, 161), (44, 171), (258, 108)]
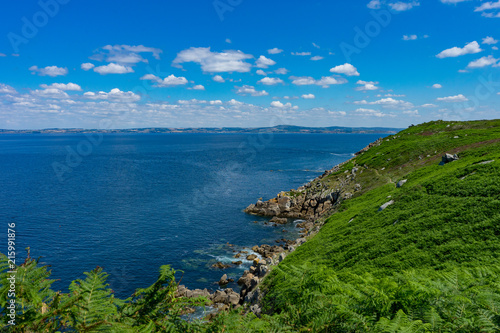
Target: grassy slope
[(445, 218)]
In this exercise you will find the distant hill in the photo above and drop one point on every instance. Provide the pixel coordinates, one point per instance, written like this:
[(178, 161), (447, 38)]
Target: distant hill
[(275, 129)]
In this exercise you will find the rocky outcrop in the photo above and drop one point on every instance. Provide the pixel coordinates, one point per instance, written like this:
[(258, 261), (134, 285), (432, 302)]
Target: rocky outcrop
[(447, 158)]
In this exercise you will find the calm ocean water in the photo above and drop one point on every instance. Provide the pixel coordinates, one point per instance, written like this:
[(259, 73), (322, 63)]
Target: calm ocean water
[(138, 201)]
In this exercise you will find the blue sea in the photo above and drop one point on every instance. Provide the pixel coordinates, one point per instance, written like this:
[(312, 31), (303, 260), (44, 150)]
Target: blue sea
[(132, 202)]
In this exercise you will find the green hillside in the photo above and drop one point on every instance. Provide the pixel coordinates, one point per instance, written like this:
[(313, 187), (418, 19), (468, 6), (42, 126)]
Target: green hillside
[(428, 262)]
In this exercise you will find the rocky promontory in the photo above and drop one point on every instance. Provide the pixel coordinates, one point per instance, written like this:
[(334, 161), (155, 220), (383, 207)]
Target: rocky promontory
[(314, 199)]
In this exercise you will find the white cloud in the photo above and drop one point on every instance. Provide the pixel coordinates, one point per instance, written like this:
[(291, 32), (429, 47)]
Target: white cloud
[(113, 68), (218, 78), (453, 99), (367, 85), (87, 66), (6, 89), (125, 54), (50, 93), (369, 112), (316, 58), (3, 55), (452, 1), (489, 40), (325, 81), (488, 6), (249, 90), (303, 54), (374, 4), (278, 104), (403, 6), (308, 96), (215, 62), (63, 86), (410, 37), (470, 48), (316, 45), (48, 71), (169, 81), (494, 48), (482, 62), (346, 69), (261, 72), (411, 112), (228, 41), (281, 71), (198, 87), (491, 15), (387, 103), (264, 62), (437, 86), (216, 102), (428, 105), (115, 95), (274, 51), (270, 81)]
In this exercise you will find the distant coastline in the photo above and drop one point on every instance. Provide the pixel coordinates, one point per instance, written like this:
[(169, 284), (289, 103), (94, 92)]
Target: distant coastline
[(222, 130)]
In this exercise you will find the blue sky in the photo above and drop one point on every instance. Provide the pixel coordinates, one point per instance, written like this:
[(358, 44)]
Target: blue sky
[(102, 64)]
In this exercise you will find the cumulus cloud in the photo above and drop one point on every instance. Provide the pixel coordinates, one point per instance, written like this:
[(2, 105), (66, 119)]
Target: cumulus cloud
[(279, 105), (215, 62), (274, 51), (6, 89), (303, 54), (115, 95), (437, 86), (218, 78), (403, 6), (453, 99), (87, 66), (410, 37), (482, 62), (250, 90), (387, 103), (113, 68), (49, 71), (281, 71), (488, 6), (63, 86), (369, 112), (270, 81), (264, 62), (470, 48), (429, 105), (308, 96), (374, 4), (125, 54), (346, 69), (261, 72), (325, 81), (489, 40), (367, 85), (197, 87), (50, 93), (316, 58), (169, 81)]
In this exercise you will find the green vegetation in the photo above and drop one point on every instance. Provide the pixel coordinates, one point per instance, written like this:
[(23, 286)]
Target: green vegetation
[(430, 262)]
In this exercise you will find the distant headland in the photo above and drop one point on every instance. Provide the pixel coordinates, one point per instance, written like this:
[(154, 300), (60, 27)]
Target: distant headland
[(275, 129)]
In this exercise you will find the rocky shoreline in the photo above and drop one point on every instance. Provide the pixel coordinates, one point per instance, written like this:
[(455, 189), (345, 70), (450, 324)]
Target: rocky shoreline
[(311, 204)]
